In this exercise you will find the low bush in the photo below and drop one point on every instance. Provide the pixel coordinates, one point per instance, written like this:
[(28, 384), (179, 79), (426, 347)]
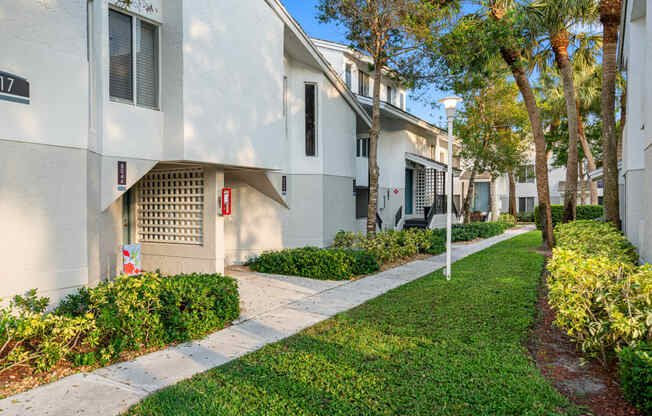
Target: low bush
[(507, 219), (356, 254), (602, 299), (317, 263), (584, 212), (130, 313), (525, 216), (636, 375)]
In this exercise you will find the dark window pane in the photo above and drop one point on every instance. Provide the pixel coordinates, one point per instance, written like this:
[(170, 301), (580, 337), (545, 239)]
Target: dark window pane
[(360, 83), (120, 49), (147, 65), (358, 144), (311, 124)]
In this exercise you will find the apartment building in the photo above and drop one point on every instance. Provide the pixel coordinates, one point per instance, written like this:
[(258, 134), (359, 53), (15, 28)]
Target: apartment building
[(203, 132), (412, 153), (635, 59)]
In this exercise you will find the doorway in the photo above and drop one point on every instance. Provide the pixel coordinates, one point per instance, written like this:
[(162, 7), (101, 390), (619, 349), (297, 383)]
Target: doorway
[(409, 192)]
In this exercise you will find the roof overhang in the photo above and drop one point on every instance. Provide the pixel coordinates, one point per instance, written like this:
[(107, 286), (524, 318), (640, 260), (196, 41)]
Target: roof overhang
[(429, 163), (298, 37), (392, 112), (598, 174)]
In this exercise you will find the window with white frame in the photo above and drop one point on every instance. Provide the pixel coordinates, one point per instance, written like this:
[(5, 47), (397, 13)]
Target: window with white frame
[(347, 75), (134, 60), (311, 119), (363, 84), (362, 147), (526, 174), (526, 204), (390, 95), (170, 206)]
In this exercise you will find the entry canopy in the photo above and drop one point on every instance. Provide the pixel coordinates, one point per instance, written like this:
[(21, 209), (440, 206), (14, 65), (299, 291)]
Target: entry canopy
[(429, 163)]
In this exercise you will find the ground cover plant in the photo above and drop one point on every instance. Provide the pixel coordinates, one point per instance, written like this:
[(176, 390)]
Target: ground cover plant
[(356, 254), (603, 300), (94, 326), (430, 347)]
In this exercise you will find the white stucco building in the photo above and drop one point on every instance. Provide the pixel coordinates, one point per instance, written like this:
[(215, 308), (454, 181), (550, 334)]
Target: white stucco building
[(635, 58), (128, 125)]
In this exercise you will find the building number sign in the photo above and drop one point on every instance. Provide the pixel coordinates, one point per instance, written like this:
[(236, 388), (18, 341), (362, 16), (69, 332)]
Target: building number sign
[(14, 88)]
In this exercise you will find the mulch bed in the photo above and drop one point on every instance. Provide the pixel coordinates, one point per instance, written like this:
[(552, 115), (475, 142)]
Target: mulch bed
[(584, 381)]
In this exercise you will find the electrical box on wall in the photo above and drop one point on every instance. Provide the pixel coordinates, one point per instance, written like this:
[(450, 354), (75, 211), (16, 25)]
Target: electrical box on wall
[(226, 202)]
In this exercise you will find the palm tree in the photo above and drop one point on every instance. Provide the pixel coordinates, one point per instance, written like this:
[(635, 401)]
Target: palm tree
[(550, 23), (610, 19), (514, 59)]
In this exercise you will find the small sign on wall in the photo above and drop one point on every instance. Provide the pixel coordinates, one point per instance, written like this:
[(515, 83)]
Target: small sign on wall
[(14, 88), (122, 176), (131, 260)]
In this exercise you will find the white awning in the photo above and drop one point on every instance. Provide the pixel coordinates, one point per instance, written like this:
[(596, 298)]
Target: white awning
[(429, 163)]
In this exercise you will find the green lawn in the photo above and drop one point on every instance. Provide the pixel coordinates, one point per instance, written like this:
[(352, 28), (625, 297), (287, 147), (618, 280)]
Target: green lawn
[(430, 347)]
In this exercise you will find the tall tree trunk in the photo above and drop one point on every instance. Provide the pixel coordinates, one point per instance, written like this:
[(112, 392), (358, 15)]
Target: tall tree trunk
[(513, 60), (493, 208), (610, 18), (512, 193), (374, 135), (582, 199), (590, 159), (560, 42), (466, 207)]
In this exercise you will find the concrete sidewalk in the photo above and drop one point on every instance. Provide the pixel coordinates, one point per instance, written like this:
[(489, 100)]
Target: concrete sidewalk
[(273, 308)]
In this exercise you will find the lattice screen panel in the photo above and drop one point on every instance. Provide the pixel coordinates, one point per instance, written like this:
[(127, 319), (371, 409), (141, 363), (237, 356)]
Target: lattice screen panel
[(430, 187), (170, 206), (420, 191)]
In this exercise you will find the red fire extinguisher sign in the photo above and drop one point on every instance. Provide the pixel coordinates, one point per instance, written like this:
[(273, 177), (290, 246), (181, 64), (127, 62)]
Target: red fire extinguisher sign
[(226, 201)]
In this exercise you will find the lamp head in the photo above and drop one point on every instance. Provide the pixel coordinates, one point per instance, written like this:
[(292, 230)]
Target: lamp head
[(450, 103)]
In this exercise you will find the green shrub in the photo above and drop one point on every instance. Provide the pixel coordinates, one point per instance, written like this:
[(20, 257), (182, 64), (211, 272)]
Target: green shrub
[(602, 299), (508, 220), (525, 217), (39, 340), (317, 263), (636, 375), (584, 212), (594, 238), (344, 239)]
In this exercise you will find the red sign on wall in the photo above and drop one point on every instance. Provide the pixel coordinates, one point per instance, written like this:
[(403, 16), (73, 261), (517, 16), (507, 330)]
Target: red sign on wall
[(226, 201)]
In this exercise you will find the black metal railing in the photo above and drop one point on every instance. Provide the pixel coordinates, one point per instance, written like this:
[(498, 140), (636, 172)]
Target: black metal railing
[(379, 221), (398, 216)]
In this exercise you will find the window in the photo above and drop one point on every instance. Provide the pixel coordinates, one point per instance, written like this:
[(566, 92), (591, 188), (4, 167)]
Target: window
[(526, 174), (170, 207), (285, 104), (311, 120), (526, 204), (389, 95), (347, 75), (363, 84), (133, 45), (362, 147)]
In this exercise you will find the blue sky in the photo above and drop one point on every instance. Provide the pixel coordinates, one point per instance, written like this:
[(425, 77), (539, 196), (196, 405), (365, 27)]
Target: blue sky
[(305, 12)]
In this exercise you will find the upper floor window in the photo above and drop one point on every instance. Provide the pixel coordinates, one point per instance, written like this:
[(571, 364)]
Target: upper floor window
[(390, 95), (133, 46), (526, 174), (347, 75), (363, 84), (362, 147), (311, 119)]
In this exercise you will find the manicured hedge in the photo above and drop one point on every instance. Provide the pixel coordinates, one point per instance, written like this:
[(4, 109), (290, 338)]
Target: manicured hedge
[(356, 254), (584, 212), (636, 375), (130, 313), (525, 217), (603, 300), (335, 264)]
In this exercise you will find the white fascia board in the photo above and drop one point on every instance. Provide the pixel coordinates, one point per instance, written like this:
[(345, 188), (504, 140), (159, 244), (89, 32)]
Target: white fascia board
[(330, 73), (404, 115)]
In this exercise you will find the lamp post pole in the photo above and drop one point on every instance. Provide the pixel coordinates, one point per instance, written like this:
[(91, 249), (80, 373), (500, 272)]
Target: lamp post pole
[(450, 104)]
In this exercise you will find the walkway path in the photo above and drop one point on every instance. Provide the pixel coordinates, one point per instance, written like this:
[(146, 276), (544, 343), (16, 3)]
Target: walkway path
[(273, 308)]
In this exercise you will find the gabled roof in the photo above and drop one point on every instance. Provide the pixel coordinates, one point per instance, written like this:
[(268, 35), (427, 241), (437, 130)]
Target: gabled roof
[(323, 63)]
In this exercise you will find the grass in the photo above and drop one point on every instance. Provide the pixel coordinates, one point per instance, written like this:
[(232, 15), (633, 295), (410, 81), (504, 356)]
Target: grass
[(430, 347)]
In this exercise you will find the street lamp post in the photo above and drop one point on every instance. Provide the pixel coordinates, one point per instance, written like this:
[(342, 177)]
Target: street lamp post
[(449, 103)]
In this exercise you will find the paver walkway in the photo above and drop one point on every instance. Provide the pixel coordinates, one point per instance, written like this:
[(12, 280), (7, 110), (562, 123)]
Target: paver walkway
[(273, 308)]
